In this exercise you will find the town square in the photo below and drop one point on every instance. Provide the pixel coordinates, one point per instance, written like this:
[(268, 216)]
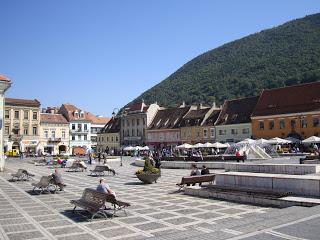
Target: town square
[(160, 120)]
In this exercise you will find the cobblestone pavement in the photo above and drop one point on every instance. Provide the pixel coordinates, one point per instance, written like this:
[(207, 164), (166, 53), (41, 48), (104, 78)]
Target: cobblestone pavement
[(158, 211)]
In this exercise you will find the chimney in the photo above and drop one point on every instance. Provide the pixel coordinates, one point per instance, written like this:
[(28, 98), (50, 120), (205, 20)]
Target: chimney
[(214, 105), (183, 104)]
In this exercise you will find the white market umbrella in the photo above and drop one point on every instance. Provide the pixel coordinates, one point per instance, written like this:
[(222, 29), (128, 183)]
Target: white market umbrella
[(261, 141), (184, 146), (277, 140), (198, 145), (312, 139), (138, 148), (207, 145), (145, 148), (293, 140), (219, 145), (247, 141), (129, 148)]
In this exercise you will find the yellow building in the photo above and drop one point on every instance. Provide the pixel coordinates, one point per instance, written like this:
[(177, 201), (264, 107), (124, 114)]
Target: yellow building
[(21, 125), (109, 137), (288, 112), (54, 134), (198, 125)]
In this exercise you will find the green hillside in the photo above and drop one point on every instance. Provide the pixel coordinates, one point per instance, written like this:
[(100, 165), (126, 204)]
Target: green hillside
[(281, 56)]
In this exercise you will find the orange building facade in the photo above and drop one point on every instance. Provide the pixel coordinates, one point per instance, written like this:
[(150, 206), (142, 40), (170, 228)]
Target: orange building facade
[(288, 112), (302, 125)]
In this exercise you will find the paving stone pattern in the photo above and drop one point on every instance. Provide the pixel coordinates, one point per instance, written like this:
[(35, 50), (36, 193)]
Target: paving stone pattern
[(158, 211)]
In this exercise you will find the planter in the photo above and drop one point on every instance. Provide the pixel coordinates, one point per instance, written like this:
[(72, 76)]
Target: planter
[(148, 178)]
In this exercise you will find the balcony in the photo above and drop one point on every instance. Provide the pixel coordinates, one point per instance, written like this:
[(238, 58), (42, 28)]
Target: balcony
[(79, 131), (54, 140), (132, 138), (15, 137)]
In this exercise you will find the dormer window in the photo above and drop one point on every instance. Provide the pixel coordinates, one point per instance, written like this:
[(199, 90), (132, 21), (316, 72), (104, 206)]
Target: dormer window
[(81, 114), (175, 122), (76, 114)]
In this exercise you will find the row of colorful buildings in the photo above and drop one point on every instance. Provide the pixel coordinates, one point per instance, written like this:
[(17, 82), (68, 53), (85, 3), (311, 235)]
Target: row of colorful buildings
[(30, 129), (292, 111)]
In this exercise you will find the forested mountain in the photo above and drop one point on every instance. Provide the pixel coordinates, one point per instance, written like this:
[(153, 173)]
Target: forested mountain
[(285, 55)]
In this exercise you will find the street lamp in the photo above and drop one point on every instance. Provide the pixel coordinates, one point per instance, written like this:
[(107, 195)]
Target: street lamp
[(5, 84), (115, 112)]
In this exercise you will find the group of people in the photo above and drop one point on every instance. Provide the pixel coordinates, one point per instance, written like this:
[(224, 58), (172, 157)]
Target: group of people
[(195, 170)]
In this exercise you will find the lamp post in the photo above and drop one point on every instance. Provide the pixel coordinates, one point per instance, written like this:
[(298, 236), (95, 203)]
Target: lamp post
[(5, 84), (114, 114)]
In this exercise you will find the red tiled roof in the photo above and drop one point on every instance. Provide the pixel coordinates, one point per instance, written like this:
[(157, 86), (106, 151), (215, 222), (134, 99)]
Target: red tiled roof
[(194, 117), (237, 111), (210, 121), (4, 78), (52, 118), (69, 110), (22, 102), (168, 118), (97, 120), (293, 99), (141, 107), (113, 126)]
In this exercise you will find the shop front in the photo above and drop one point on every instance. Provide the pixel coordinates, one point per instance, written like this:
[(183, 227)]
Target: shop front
[(29, 147)]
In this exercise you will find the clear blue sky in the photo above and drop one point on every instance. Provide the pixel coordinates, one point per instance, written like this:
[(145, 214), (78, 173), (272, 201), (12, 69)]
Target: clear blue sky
[(102, 54)]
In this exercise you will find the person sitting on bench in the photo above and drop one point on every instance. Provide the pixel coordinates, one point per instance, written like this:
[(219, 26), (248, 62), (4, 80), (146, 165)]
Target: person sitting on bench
[(194, 172), (57, 178), (205, 170), (104, 187)]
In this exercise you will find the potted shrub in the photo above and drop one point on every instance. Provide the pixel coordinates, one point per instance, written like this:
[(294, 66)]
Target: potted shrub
[(149, 173)]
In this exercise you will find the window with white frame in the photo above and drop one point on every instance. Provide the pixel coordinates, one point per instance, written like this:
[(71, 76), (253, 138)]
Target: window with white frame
[(34, 115), (34, 130), (53, 134), (212, 132), (26, 130), (7, 114), (245, 131), (205, 132), (6, 130), (222, 131)]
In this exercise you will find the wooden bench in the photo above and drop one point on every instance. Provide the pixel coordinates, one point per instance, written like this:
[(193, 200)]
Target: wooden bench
[(100, 170), (77, 167), (94, 201), (40, 162), (22, 175), (196, 179), (117, 204), (44, 185)]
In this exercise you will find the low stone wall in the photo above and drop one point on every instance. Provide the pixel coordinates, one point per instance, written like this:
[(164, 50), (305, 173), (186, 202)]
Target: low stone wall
[(213, 158), (139, 162), (249, 198), (187, 165), (292, 169), (304, 185)]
